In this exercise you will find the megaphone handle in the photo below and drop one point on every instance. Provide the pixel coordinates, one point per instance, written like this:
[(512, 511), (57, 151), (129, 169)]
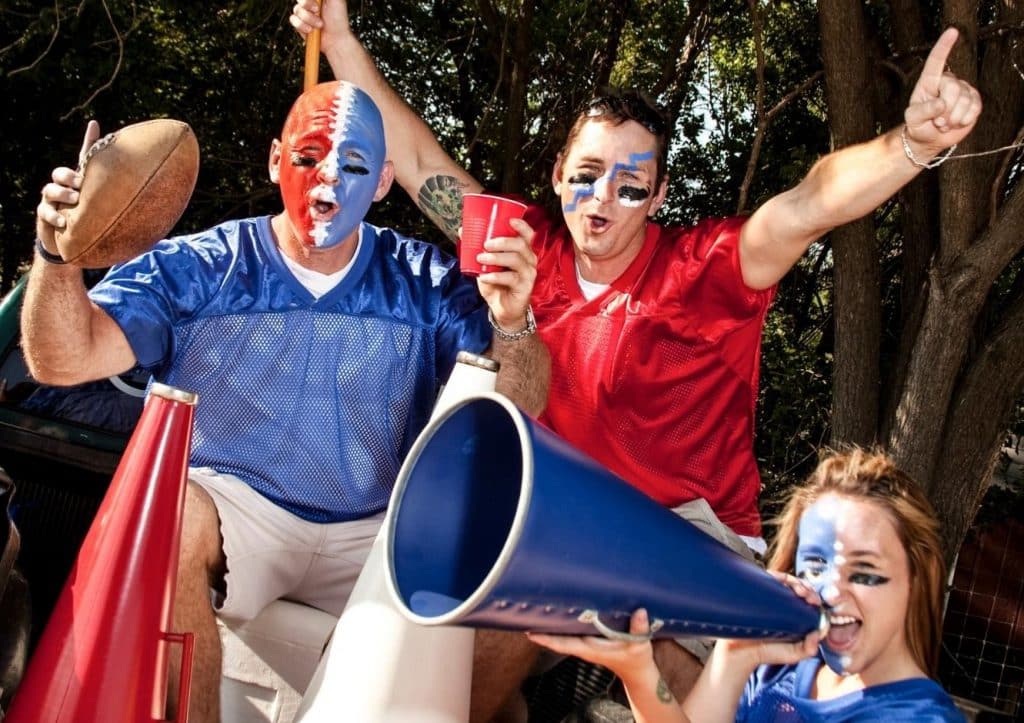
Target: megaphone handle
[(187, 641), (594, 618)]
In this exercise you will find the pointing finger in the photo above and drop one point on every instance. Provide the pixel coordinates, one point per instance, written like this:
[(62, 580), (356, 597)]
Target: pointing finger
[(935, 63), (92, 134)]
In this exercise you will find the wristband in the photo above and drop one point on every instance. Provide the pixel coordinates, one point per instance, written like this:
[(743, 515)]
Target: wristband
[(530, 328), (46, 255)]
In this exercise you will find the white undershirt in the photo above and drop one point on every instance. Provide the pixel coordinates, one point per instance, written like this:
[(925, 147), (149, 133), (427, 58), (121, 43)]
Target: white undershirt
[(590, 290), (317, 283)]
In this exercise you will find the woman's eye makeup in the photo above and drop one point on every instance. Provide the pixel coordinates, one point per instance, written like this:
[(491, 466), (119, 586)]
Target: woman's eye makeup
[(811, 572), (869, 579)]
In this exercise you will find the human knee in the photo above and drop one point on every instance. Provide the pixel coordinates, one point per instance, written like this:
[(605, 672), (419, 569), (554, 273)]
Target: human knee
[(201, 546)]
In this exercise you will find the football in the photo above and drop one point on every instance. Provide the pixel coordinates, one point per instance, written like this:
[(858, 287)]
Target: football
[(136, 183)]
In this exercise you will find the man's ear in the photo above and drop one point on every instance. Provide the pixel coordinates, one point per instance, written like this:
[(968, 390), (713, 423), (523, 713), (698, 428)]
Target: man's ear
[(274, 162), (556, 175), (387, 177), (659, 198)]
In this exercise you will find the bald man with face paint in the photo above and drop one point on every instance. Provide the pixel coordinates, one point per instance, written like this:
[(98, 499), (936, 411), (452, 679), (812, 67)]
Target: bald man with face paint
[(316, 342)]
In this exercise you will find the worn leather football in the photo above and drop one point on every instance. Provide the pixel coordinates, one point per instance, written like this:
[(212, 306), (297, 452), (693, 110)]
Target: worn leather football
[(136, 183)]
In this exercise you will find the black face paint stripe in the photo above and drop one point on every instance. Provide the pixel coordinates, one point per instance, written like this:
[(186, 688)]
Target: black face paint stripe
[(634, 193)]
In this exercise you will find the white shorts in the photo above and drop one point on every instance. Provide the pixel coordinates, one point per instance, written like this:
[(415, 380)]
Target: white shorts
[(699, 513), (273, 554)]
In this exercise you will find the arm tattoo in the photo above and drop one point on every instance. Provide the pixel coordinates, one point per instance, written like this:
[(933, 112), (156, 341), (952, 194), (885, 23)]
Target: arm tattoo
[(440, 198), (663, 692)]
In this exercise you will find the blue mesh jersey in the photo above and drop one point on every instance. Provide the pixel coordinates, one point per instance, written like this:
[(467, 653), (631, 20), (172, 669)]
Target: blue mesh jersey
[(779, 694), (312, 402)]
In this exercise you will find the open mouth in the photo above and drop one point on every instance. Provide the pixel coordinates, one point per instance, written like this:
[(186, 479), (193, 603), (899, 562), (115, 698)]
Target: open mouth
[(597, 223), (322, 210), (322, 205), (842, 632)]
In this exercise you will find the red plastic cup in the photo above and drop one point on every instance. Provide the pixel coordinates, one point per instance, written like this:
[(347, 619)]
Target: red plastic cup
[(484, 217)]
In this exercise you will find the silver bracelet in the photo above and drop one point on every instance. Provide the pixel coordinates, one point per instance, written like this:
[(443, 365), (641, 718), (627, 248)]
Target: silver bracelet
[(530, 328), (934, 163)]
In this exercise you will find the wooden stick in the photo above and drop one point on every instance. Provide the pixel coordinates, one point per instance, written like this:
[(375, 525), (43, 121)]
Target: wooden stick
[(312, 75)]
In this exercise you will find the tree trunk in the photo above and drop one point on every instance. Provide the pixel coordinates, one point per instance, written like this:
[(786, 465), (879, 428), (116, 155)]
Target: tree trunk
[(977, 428), (955, 297), (918, 223), (512, 179), (614, 18), (857, 300)]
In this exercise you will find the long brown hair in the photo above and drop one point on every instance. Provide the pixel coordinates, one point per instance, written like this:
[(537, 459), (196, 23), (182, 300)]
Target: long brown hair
[(873, 476)]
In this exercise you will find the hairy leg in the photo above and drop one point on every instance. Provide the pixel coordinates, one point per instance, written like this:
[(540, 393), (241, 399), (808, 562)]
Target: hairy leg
[(200, 566), (501, 662)]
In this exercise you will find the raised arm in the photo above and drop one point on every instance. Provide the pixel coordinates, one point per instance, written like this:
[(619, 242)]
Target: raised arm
[(850, 183), (422, 167), (67, 339), (437, 183)]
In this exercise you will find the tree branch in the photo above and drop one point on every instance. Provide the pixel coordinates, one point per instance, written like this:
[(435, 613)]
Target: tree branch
[(113, 75), (49, 45), (981, 264), (1001, 176), (794, 94), (679, 55), (762, 121), (502, 54)]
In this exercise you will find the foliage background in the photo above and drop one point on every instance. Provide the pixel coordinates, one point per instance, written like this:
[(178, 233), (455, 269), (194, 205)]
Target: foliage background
[(233, 71)]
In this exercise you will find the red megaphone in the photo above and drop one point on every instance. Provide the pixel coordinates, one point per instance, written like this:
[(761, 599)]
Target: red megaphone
[(103, 655)]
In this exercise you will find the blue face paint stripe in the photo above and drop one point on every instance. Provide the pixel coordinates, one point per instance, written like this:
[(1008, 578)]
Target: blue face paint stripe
[(633, 165), (579, 194)]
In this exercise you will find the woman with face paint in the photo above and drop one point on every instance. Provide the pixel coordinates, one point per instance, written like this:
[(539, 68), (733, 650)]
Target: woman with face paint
[(861, 539), (655, 330)]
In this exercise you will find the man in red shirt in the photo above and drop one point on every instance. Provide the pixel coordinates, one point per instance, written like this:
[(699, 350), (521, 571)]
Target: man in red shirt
[(654, 332)]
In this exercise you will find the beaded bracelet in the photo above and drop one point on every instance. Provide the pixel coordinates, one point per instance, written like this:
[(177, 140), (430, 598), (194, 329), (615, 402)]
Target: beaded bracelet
[(934, 163)]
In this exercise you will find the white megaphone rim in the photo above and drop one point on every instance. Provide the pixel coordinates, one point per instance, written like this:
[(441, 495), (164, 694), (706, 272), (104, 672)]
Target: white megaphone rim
[(482, 591)]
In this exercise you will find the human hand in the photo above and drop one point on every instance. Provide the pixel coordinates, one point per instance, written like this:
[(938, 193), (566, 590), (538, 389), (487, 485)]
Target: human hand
[(753, 653), (62, 191), (627, 659), (330, 16), (943, 109), (507, 292)]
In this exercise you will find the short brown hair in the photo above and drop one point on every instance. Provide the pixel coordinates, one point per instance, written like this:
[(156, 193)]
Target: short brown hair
[(872, 475), (615, 107)]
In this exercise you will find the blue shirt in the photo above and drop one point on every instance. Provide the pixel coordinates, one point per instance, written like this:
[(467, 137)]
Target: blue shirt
[(780, 694), (312, 402)]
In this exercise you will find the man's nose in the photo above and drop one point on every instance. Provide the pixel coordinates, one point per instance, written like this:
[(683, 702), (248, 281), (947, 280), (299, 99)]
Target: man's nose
[(603, 189), (832, 589), (325, 173)]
